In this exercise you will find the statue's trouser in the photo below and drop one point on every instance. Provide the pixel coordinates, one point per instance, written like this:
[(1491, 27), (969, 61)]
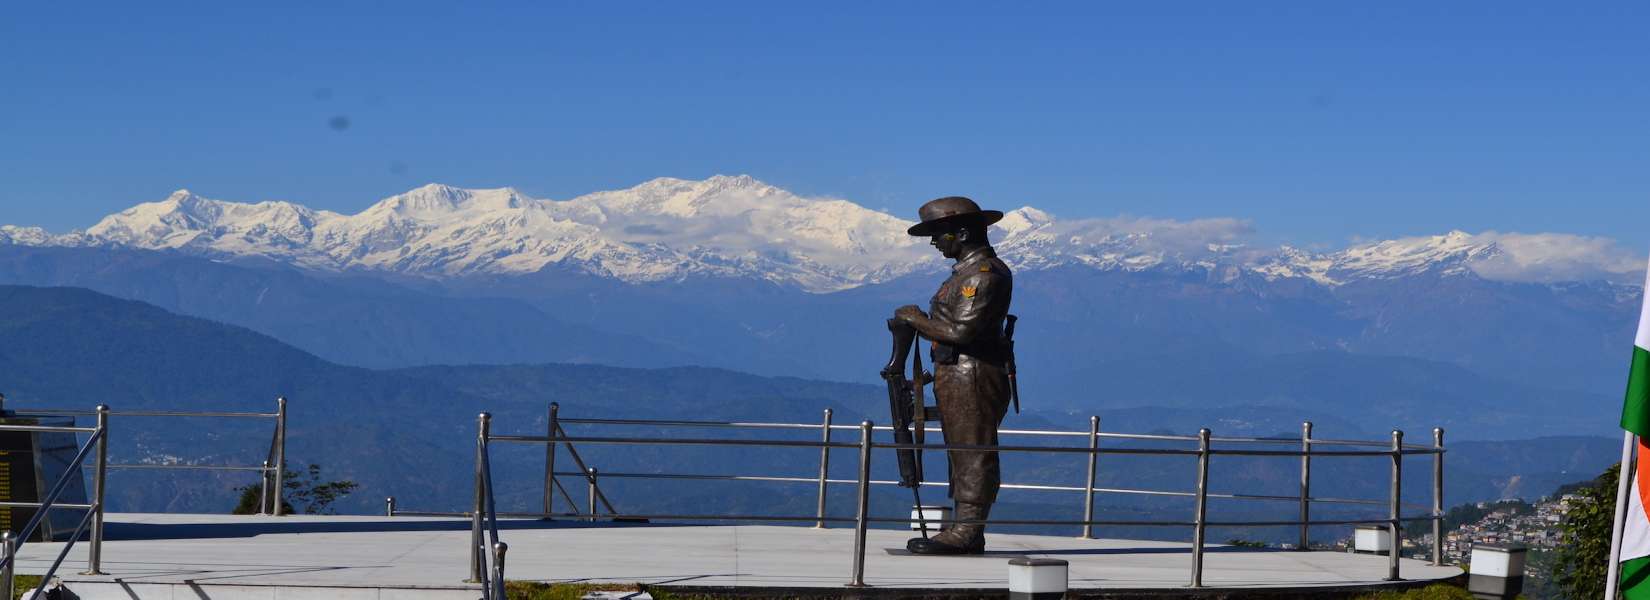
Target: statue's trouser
[(973, 397)]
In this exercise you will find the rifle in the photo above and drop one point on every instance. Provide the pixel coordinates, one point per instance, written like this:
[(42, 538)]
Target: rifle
[(906, 406), (1013, 370)]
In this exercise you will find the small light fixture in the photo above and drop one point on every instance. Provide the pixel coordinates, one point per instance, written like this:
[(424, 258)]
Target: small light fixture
[(1037, 579), (1496, 571), (1371, 539)]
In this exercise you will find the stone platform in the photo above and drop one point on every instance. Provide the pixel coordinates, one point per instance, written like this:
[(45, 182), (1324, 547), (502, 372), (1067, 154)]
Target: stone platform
[(219, 556)]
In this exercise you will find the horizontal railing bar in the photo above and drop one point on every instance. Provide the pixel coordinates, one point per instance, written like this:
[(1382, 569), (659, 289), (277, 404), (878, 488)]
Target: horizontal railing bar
[(539, 439), (606, 475), (37, 505), (47, 428), (1297, 453), (47, 412), (687, 423), (187, 467), (625, 441), (1352, 501), (1312, 522), (811, 426), (1327, 442), (1008, 486), (812, 518), (1044, 432), (1256, 440), (1075, 450)]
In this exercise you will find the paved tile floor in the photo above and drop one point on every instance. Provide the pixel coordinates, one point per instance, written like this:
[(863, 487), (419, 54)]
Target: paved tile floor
[(413, 553)]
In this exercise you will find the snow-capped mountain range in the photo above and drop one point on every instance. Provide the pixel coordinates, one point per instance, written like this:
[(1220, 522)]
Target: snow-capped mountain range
[(737, 227)]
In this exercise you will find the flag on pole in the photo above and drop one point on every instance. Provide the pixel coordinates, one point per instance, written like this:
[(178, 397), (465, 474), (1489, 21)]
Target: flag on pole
[(1635, 417)]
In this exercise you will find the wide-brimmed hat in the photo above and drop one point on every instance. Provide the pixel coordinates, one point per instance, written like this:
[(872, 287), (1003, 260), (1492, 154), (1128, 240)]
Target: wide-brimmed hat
[(951, 209)]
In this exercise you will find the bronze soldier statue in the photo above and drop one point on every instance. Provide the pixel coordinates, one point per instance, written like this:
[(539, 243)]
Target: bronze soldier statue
[(972, 357)]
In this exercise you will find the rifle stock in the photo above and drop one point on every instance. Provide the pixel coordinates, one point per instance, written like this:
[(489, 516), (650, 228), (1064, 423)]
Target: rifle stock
[(902, 402)]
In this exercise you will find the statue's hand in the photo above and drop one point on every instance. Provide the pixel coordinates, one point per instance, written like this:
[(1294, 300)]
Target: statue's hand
[(908, 313)]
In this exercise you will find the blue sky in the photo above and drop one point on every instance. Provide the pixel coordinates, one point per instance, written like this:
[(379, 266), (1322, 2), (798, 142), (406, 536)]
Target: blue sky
[(1322, 122)]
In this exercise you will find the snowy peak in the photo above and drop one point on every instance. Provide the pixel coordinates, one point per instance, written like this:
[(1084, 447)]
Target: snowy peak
[(670, 229), (436, 202), (719, 195), (185, 219), (1389, 258)]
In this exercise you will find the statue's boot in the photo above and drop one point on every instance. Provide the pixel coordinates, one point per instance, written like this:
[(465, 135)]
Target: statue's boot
[(961, 538)]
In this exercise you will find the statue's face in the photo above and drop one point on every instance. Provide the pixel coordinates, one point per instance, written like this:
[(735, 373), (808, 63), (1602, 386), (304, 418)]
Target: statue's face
[(949, 243)]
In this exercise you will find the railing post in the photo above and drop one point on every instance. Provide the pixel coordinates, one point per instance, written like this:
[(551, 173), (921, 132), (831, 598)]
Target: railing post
[(1395, 533), (550, 462), (1088, 488), (499, 550), (1438, 496), (477, 559), (8, 552), (389, 506), (1306, 486), (824, 467), (94, 553), (590, 475), (1200, 512), (280, 455), (263, 489), (864, 503)]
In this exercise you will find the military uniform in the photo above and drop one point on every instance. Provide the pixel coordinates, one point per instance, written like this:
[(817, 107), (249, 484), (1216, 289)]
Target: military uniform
[(970, 373)]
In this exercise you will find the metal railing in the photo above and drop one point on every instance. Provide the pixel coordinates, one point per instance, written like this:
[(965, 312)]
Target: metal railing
[(272, 475), (1310, 448), (10, 545), (485, 520)]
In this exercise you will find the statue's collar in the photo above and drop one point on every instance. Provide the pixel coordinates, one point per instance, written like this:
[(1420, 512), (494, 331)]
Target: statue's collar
[(972, 256)]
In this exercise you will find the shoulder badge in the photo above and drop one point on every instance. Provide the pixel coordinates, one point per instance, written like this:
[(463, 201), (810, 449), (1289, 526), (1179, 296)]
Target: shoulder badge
[(985, 268), (969, 291)]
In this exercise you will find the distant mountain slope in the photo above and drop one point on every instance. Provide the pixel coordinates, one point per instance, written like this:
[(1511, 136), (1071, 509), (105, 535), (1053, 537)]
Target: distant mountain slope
[(356, 321), (1530, 469)]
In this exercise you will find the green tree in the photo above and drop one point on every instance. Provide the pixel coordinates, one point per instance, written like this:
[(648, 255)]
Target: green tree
[(303, 490), (1583, 552)]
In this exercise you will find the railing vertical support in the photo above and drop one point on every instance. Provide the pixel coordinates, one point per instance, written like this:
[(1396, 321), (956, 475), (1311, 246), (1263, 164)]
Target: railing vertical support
[(590, 475), (1199, 516), (864, 503), (550, 462), (8, 552), (1088, 487), (1306, 486), (94, 553), (483, 425), (1438, 496), (280, 455), (263, 489), (497, 591), (824, 468), (1394, 532)]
